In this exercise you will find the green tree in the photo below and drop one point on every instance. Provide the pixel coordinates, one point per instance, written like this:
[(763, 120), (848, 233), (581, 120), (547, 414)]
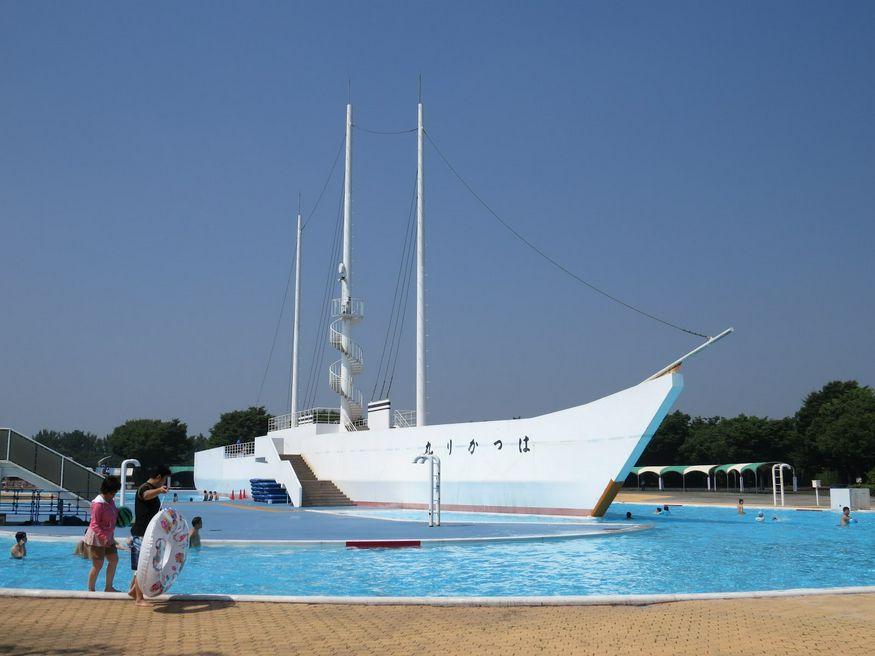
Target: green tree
[(664, 448), (85, 448), (243, 425), (806, 414), (196, 443), (721, 440), (844, 432), (151, 441), (705, 444), (808, 459)]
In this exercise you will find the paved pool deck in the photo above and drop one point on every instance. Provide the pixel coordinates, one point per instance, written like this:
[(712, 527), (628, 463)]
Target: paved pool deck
[(842, 625)]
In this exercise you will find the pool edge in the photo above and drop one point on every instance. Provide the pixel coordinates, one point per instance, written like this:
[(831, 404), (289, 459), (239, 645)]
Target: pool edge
[(591, 600)]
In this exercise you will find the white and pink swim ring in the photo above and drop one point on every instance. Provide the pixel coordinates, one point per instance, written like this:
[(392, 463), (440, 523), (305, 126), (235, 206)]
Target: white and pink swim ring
[(163, 552)]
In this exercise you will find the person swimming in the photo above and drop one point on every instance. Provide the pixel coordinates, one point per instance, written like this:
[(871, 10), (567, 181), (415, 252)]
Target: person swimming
[(760, 516)]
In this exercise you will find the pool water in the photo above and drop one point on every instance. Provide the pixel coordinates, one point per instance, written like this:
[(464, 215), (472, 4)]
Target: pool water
[(691, 550)]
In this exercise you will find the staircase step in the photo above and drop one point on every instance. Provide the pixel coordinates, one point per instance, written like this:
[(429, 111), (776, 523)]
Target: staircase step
[(315, 492)]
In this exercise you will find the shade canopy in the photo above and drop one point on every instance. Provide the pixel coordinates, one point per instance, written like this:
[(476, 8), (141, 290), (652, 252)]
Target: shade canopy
[(683, 470)]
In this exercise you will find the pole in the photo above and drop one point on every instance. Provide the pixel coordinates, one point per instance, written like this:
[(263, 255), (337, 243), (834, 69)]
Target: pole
[(346, 275), (420, 276), (296, 329), (431, 491)]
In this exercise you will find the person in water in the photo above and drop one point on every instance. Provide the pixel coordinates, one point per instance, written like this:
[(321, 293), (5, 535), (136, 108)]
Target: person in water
[(846, 517), (665, 509), (740, 507), (760, 516), (19, 549), (628, 515), (194, 536), (99, 542)]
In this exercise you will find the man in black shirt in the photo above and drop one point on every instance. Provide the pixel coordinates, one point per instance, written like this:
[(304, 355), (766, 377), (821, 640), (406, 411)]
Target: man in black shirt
[(146, 505)]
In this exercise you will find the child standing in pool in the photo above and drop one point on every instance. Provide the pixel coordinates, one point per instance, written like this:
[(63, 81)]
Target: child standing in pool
[(740, 507), (194, 536), (19, 549), (99, 542)]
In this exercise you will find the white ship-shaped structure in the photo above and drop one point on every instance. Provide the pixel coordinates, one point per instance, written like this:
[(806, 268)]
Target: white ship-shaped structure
[(572, 462)]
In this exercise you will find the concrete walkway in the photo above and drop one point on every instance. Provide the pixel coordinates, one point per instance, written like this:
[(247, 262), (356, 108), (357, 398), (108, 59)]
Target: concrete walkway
[(804, 625)]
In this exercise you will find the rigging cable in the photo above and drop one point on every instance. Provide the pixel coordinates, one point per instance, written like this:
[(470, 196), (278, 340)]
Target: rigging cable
[(275, 333), (550, 259), (403, 274), (358, 127), (322, 324), (288, 283)]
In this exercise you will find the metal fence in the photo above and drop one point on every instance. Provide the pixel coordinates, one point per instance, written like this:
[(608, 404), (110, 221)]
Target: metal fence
[(49, 465), (41, 506), (240, 450)]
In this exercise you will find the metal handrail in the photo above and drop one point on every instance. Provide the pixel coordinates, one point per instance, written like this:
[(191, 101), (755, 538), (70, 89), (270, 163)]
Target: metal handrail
[(353, 308), (49, 465), (405, 418), (309, 416), (334, 380), (351, 349)]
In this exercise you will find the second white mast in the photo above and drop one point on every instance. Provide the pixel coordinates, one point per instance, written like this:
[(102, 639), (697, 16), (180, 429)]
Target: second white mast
[(296, 332), (420, 276)]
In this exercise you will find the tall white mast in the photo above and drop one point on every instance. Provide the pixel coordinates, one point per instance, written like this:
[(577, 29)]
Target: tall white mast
[(420, 277), (296, 330), (345, 272), (346, 310)]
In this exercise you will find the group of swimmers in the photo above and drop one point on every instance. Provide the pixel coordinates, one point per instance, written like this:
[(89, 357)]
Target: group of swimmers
[(845, 519), (211, 496)]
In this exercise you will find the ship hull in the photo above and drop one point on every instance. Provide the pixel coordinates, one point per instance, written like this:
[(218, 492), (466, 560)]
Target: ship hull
[(567, 462)]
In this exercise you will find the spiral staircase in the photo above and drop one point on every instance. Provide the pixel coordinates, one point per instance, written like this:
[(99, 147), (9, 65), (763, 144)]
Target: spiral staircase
[(348, 312)]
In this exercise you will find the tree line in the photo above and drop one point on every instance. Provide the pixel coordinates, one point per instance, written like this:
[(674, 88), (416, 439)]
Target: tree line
[(154, 441), (831, 437)]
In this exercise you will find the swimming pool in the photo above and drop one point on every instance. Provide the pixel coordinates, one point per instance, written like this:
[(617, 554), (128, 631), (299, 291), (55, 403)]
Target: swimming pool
[(692, 550)]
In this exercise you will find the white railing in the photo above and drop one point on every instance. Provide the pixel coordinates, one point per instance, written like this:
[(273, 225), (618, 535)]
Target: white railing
[(353, 308), (309, 416), (240, 450), (357, 425), (404, 419), (352, 350), (354, 396)]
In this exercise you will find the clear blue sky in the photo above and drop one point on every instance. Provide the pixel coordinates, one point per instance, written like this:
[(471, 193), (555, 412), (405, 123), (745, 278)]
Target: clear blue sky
[(711, 163)]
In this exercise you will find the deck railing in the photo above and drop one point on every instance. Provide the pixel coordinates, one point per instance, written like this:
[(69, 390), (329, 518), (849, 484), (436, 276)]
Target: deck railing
[(309, 416), (240, 450)]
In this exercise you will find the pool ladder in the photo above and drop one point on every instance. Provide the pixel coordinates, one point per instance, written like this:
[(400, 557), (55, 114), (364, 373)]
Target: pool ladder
[(434, 477)]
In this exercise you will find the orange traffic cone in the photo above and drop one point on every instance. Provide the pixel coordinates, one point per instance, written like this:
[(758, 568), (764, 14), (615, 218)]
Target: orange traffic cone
[(232, 495)]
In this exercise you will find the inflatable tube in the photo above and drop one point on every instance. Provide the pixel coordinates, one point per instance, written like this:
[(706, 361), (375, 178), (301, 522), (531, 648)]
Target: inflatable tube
[(163, 552), (125, 517)]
